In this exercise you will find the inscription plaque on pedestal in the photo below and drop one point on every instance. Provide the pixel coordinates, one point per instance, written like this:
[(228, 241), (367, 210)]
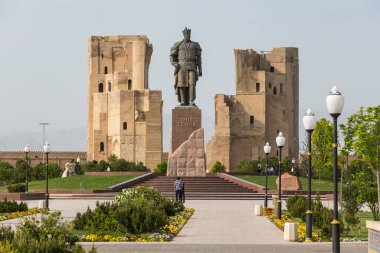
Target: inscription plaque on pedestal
[(185, 120), (289, 182)]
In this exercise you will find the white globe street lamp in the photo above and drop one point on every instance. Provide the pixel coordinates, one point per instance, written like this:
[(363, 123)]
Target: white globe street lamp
[(27, 150), (335, 103), (267, 149), (47, 151), (280, 141), (309, 122)]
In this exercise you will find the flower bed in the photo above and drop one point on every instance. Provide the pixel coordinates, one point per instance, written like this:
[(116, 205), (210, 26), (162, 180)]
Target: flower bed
[(19, 214), (165, 233), (280, 223)]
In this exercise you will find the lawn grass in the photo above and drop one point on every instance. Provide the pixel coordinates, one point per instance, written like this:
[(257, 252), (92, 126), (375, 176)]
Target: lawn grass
[(316, 185), (75, 182), (360, 231)]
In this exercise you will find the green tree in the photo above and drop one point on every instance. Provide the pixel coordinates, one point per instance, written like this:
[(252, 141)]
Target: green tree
[(362, 137), (161, 168), (5, 172), (218, 167), (89, 166), (321, 141), (38, 172)]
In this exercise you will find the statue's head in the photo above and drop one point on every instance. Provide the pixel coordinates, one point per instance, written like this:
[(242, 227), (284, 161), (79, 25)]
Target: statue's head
[(186, 33)]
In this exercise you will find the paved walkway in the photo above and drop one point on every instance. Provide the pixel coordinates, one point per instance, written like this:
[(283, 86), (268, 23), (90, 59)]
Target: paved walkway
[(227, 222), (223, 248), (217, 226)]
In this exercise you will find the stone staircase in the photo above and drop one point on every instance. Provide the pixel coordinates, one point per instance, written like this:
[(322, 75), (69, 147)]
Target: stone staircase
[(209, 187)]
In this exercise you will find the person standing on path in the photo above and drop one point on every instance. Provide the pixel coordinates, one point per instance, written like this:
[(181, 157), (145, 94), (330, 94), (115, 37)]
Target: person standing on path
[(178, 185)]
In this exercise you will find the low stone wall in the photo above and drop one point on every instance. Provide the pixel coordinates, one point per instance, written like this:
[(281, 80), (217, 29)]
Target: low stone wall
[(132, 182), (304, 192), (22, 196), (241, 182), (115, 173), (68, 191), (373, 236)]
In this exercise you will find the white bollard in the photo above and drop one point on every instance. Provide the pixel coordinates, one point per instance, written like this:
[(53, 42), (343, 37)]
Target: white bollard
[(258, 210), (290, 232), (42, 204)]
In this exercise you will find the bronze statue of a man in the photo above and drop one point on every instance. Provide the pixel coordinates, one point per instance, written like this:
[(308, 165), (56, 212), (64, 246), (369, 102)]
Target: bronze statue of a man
[(185, 56)]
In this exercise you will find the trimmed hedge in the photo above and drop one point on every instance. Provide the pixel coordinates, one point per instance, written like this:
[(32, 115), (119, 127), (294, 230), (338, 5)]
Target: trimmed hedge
[(12, 206), (16, 188)]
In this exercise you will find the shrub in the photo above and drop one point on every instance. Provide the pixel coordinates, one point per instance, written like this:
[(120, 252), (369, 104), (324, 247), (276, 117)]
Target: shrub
[(351, 205), (137, 210), (218, 167), (297, 206), (6, 234), (247, 167), (89, 166), (161, 168), (369, 197), (39, 171), (149, 193), (102, 166), (12, 206), (140, 216), (101, 219), (93, 249), (16, 188), (5, 172), (322, 217), (144, 209), (50, 234)]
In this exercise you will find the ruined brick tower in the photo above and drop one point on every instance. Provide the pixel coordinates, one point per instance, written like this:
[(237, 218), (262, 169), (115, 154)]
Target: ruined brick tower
[(124, 116), (266, 102)]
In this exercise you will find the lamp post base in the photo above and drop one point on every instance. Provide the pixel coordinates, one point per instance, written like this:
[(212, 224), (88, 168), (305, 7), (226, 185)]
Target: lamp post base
[(279, 208), (47, 200), (266, 201), (309, 223), (336, 236)]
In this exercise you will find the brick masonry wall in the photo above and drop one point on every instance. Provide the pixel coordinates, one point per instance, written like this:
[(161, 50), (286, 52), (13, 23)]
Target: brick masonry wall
[(59, 157)]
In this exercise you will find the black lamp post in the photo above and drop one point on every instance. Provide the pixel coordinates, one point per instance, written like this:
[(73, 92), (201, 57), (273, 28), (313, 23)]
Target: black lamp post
[(309, 122), (47, 150), (280, 141), (335, 103), (267, 149), (26, 149)]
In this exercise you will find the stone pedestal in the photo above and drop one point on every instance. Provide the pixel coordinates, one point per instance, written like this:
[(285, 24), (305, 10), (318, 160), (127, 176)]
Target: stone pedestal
[(189, 158), (185, 120), (289, 182)]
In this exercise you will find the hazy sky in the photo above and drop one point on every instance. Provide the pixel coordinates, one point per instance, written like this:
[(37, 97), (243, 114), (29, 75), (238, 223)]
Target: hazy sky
[(43, 53)]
